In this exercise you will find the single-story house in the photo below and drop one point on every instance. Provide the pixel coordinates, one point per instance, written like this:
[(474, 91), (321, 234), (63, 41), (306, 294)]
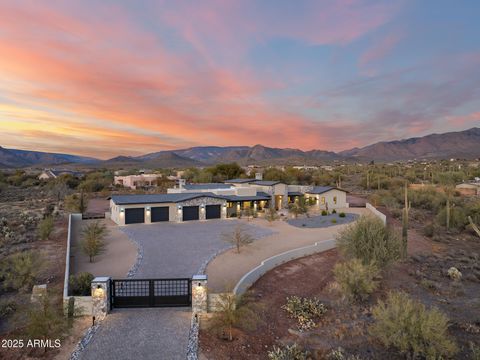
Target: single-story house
[(48, 174), (137, 181), (469, 189)]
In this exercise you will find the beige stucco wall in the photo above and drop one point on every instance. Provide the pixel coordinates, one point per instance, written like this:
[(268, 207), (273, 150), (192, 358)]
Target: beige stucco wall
[(327, 198)]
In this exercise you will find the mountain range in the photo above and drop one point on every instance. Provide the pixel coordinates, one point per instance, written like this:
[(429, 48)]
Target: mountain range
[(460, 144)]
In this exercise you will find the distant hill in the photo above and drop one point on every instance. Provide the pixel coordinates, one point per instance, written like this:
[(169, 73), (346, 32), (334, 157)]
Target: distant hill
[(460, 144), (12, 158)]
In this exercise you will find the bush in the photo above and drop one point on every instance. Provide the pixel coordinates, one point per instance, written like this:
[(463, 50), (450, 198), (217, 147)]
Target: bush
[(369, 240), (334, 211), (458, 218), (333, 221), (289, 352), (45, 228), (356, 281), (339, 354), (454, 274), (429, 230), (7, 307), (80, 285), (324, 212), (408, 326), (20, 271), (305, 311), (342, 214)]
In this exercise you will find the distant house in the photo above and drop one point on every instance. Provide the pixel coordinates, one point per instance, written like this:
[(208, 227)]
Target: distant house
[(48, 174), (137, 181)]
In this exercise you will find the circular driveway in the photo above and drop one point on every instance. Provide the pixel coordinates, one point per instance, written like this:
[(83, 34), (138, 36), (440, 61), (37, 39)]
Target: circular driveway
[(182, 249)]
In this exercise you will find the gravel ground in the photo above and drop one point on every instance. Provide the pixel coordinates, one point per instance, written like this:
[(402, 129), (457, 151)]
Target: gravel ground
[(322, 221), (179, 250), (143, 334)]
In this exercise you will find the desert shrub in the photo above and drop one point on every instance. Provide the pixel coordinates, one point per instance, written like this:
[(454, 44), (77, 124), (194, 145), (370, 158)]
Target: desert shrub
[(415, 331), (324, 212), (80, 284), (369, 240), (454, 274), (429, 230), (45, 228), (340, 354), (428, 199), (288, 352), (7, 307), (233, 311), (238, 237), (475, 350), (356, 280), (305, 311), (334, 211), (342, 214), (20, 271), (333, 221)]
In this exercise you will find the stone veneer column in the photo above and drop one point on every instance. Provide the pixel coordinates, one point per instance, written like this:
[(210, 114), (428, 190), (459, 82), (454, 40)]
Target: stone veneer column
[(199, 294), (203, 212), (100, 297)]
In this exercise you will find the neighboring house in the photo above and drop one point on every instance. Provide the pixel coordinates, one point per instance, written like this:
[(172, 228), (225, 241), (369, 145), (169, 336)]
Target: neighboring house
[(469, 189), (137, 181), (48, 174)]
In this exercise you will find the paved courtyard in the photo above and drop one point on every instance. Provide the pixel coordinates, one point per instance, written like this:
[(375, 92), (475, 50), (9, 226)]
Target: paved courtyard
[(169, 250), (179, 250)]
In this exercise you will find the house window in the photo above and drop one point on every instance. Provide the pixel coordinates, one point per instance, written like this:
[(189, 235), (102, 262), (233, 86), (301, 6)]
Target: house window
[(334, 199), (323, 200)]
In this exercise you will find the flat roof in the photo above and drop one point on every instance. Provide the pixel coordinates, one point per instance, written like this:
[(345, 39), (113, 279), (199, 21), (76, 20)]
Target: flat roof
[(259, 197), (266, 183), (239, 181), (207, 186)]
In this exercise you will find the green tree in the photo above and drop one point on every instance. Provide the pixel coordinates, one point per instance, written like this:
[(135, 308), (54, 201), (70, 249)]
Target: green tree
[(298, 207), (45, 228), (93, 239), (238, 237), (356, 280), (20, 271), (271, 214)]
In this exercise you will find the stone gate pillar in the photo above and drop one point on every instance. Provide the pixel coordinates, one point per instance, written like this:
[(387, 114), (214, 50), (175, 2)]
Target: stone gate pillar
[(100, 297), (199, 294)]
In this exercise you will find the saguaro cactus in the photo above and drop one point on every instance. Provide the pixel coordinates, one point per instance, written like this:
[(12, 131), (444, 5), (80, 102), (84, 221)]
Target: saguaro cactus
[(406, 208), (474, 226)]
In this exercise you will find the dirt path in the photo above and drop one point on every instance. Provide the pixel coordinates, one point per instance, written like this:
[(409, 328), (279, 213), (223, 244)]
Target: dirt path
[(228, 268)]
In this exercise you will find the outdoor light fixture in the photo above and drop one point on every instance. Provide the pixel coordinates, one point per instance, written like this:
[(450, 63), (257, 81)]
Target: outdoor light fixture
[(179, 207), (148, 208), (122, 210), (98, 292)]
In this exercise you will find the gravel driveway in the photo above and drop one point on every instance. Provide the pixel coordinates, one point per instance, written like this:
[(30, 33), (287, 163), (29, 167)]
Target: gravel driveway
[(180, 250), (169, 250)]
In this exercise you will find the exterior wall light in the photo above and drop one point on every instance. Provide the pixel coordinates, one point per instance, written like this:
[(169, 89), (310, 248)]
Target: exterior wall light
[(148, 208), (99, 292), (122, 210)]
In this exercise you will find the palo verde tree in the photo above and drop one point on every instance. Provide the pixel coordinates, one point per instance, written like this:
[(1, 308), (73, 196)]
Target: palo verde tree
[(93, 239)]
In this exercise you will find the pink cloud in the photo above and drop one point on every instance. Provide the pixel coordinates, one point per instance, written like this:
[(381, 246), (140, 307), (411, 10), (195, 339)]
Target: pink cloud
[(380, 49)]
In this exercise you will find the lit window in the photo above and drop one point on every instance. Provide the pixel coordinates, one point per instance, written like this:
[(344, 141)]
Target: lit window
[(335, 199), (323, 199)]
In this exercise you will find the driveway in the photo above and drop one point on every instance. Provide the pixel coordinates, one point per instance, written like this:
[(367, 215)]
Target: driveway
[(180, 250), (169, 250)]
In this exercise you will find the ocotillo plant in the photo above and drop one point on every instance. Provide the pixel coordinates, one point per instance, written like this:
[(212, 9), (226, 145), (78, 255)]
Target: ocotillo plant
[(406, 208)]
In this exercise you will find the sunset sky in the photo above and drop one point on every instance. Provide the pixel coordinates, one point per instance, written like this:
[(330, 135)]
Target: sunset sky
[(107, 78)]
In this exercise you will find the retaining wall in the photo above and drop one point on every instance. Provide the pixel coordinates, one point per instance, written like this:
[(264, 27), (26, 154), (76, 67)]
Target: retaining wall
[(377, 213), (268, 264)]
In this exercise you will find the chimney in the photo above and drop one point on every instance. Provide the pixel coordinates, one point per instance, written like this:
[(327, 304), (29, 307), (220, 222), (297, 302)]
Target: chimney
[(181, 183), (258, 176)]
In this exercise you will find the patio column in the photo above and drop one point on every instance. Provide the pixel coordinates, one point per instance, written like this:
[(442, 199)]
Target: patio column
[(199, 294), (100, 297)]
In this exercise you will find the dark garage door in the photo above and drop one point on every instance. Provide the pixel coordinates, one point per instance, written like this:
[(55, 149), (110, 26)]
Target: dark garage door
[(160, 213), (190, 213), (134, 216), (212, 212)]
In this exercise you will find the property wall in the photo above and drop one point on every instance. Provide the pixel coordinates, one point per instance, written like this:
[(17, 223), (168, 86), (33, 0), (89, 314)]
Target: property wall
[(83, 304), (377, 213), (268, 264)]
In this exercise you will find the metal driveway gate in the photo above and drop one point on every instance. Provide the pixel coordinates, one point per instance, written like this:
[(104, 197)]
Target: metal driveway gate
[(128, 293)]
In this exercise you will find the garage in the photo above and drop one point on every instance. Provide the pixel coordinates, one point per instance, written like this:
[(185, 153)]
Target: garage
[(190, 213), (213, 212), (160, 213), (134, 216)]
